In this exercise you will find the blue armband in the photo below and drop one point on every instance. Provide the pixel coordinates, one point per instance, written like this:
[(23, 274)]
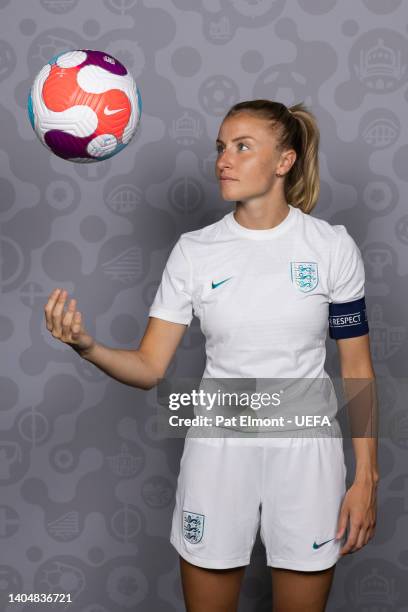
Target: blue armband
[(348, 320)]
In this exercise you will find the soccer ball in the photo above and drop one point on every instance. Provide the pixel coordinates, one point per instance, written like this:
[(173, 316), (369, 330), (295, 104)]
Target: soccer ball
[(84, 106)]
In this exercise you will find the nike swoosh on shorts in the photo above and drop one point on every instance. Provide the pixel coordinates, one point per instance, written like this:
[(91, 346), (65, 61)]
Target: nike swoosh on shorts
[(322, 543), (214, 285)]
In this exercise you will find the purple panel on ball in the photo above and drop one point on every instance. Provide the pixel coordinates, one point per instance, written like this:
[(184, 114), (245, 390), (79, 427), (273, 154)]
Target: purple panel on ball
[(65, 145), (97, 58)]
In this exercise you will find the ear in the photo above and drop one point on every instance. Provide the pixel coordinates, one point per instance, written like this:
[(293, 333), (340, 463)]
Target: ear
[(287, 160)]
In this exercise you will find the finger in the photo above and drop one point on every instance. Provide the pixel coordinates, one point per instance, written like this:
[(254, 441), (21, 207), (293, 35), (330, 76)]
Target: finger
[(76, 326), (370, 534), (48, 308), (360, 539), (351, 540), (342, 524), (57, 314), (67, 320)]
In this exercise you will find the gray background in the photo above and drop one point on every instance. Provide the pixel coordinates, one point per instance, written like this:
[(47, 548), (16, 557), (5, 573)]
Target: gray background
[(87, 489)]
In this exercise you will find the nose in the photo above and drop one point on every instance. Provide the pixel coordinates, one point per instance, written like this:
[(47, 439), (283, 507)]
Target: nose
[(223, 161)]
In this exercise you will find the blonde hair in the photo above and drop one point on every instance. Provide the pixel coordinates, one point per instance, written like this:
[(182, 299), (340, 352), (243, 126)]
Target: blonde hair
[(296, 129)]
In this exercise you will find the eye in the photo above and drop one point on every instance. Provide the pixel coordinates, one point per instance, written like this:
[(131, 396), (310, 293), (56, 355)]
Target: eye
[(220, 146)]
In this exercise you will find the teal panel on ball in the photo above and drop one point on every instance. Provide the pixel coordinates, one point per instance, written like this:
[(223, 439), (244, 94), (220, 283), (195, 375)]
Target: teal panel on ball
[(139, 98), (30, 110)]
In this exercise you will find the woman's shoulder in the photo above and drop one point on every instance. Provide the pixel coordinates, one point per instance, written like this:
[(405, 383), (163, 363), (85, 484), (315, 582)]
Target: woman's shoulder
[(323, 228), (204, 234)]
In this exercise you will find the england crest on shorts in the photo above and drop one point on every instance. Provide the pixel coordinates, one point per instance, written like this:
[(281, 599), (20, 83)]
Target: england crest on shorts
[(193, 526), (304, 274)]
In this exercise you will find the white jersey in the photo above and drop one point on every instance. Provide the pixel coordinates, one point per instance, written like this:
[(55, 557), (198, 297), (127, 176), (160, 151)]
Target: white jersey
[(265, 298)]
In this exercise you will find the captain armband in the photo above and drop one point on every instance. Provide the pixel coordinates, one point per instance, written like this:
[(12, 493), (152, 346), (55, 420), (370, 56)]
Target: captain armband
[(348, 320)]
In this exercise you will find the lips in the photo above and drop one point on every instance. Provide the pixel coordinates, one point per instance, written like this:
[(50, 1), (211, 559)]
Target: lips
[(227, 178)]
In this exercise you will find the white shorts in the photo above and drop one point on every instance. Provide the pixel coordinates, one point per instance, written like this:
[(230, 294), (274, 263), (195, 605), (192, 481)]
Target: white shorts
[(292, 487)]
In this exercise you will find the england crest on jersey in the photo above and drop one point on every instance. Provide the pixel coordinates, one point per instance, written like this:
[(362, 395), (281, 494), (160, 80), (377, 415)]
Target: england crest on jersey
[(304, 274), (193, 526)]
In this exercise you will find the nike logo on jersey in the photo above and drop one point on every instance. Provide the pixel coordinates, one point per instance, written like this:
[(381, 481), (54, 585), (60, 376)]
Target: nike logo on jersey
[(214, 285), (112, 111), (316, 546)]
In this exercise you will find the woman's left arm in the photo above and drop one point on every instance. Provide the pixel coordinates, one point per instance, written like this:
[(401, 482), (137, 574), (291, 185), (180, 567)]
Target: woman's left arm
[(360, 502)]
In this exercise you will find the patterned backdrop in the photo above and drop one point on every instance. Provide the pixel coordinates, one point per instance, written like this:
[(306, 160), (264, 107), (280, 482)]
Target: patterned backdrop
[(87, 487)]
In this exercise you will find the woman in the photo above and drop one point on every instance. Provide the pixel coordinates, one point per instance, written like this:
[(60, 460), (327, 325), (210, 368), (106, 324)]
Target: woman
[(263, 281)]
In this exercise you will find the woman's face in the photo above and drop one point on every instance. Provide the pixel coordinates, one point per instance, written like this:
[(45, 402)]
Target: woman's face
[(252, 161)]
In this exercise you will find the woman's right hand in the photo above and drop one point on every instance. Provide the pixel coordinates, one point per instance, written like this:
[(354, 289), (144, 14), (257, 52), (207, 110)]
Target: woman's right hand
[(66, 325)]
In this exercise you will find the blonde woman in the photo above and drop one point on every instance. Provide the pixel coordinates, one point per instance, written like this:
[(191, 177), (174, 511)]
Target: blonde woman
[(266, 281)]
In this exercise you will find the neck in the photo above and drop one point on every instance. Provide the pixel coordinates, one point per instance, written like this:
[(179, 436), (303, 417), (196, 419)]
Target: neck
[(254, 217)]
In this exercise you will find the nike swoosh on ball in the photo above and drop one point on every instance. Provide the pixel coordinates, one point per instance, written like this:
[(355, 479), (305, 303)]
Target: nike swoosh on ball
[(108, 111)]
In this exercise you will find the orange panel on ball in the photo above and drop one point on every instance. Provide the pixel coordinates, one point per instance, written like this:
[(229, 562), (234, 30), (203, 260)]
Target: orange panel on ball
[(113, 110), (61, 88)]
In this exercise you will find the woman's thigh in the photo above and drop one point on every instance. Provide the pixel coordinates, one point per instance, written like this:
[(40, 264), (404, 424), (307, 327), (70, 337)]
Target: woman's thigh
[(209, 590), (297, 591), (218, 590)]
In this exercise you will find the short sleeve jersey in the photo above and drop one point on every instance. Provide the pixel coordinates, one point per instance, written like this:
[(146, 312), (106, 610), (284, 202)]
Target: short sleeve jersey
[(265, 298)]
